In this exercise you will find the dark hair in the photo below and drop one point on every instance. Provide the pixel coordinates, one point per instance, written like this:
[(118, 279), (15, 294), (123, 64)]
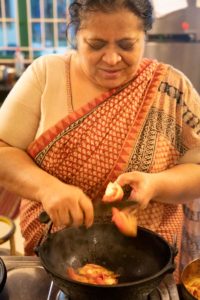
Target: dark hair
[(77, 9)]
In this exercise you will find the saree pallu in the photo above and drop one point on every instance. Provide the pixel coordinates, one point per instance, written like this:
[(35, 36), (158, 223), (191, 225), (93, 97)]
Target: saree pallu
[(191, 233), (136, 127)]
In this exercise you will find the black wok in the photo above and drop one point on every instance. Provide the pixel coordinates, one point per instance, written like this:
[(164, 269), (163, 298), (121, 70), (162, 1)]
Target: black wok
[(3, 274), (141, 262)]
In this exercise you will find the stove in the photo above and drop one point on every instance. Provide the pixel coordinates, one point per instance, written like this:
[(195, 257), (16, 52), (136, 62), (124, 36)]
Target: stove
[(27, 280)]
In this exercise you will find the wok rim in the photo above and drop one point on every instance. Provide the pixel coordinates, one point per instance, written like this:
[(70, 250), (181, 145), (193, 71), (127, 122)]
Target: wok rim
[(166, 269)]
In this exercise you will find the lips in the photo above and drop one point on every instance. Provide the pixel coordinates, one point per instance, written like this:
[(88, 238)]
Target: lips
[(110, 70), (110, 73)]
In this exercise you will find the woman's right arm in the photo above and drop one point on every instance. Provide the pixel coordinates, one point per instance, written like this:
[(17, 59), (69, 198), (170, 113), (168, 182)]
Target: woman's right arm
[(20, 117), (65, 204)]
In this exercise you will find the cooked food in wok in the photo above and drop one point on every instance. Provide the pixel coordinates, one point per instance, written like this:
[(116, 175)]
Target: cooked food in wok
[(94, 274), (193, 286)]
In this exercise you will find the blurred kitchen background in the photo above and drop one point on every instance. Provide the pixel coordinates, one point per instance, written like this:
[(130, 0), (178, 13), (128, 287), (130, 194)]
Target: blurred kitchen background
[(175, 37), (30, 28)]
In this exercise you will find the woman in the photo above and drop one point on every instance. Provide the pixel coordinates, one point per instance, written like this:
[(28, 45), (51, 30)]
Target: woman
[(101, 113)]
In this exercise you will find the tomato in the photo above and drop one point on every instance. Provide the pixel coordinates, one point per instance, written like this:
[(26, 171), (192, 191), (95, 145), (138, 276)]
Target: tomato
[(126, 222), (113, 192)]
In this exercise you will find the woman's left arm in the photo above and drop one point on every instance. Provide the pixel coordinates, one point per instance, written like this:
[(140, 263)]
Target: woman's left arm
[(176, 185)]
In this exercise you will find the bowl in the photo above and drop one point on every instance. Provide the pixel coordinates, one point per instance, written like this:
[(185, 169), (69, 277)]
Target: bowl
[(191, 276), (3, 274)]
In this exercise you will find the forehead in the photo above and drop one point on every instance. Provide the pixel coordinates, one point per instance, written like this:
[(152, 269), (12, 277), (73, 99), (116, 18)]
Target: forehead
[(115, 24)]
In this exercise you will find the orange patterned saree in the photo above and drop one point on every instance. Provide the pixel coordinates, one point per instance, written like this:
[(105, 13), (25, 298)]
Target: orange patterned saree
[(136, 127)]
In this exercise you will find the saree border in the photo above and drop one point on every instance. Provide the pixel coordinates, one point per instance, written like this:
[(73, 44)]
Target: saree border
[(41, 145), (62, 127)]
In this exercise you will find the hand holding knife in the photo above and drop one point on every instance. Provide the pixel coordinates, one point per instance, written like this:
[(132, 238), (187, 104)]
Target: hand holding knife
[(115, 196)]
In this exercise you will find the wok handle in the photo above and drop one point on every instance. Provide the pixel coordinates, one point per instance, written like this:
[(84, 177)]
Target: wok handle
[(174, 246), (44, 219), (172, 265), (170, 268)]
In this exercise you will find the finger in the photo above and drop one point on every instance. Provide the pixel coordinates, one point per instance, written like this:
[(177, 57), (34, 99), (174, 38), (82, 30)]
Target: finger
[(133, 196), (131, 210), (143, 204), (77, 215), (64, 217), (60, 217), (126, 178), (54, 216), (138, 201), (88, 210)]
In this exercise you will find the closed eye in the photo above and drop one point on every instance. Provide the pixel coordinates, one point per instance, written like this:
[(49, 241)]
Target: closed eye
[(126, 45), (96, 45)]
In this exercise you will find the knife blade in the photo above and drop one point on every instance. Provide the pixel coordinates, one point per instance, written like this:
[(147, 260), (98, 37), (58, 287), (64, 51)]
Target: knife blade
[(103, 210), (125, 202), (99, 204)]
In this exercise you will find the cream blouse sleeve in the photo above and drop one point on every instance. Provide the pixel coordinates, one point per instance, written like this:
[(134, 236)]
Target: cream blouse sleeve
[(20, 112), (190, 123)]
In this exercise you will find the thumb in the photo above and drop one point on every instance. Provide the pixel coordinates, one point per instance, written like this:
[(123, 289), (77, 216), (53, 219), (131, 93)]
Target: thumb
[(127, 178)]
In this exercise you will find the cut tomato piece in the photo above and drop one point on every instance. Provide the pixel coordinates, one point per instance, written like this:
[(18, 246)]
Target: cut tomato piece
[(113, 192), (125, 222)]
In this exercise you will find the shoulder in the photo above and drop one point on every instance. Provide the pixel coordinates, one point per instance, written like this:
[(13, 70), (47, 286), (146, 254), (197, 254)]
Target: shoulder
[(176, 82), (53, 58), (175, 77), (169, 74), (48, 68), (50, 61)]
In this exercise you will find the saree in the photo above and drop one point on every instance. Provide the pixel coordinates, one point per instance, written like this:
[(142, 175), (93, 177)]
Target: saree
[(191, 233), (9, 204), (135, 127)]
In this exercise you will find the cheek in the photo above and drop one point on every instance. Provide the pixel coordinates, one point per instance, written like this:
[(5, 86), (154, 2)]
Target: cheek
[(84, 58), (134, 60), (91, 62), (132, 64)]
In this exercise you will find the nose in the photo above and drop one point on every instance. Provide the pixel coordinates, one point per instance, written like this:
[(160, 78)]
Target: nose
[(111, 58)]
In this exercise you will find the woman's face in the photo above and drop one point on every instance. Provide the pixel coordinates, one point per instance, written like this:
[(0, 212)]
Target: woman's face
[(110, 47)]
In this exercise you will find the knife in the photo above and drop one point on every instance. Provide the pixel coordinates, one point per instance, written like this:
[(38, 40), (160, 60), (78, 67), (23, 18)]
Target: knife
[(99, 204), (125, 202)]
